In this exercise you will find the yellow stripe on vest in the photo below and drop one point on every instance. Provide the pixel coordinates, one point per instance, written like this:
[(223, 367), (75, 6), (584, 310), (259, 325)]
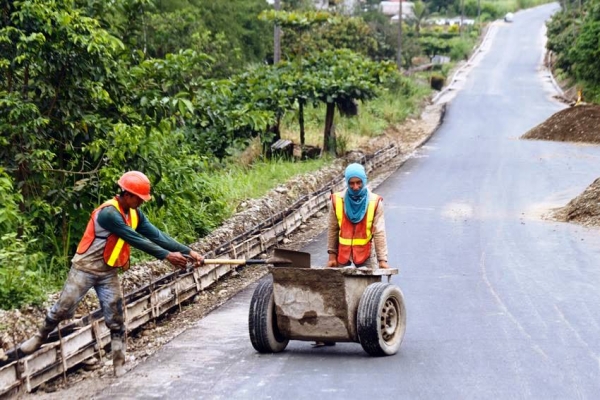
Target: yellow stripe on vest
[(339, 209), (114, 256)]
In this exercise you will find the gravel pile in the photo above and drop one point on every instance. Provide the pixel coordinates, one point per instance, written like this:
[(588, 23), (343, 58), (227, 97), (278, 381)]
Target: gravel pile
[(574, 124)]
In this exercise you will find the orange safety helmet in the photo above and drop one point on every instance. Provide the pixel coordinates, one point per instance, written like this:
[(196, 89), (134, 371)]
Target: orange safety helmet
[(136, 183)]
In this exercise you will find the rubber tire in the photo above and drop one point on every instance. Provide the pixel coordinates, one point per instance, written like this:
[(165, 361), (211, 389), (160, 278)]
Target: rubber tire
[(262, 323), (369, 316)]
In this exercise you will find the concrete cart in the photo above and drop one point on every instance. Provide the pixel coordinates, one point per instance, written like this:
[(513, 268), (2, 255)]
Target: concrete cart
[(328, 305)]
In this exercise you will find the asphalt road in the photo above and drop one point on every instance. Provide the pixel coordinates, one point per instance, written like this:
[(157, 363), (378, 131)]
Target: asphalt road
[(501, 304)]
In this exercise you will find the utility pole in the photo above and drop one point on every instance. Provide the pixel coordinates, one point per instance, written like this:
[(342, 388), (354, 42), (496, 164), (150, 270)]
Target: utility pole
[(277, 37), (479, 12), (462, 16), (399, 55)]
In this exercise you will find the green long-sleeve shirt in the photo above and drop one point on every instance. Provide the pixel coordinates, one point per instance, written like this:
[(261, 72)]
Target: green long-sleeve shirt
[(146, 237)]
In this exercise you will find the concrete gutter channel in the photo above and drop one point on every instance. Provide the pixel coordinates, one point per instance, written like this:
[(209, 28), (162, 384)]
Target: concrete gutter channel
[(84, 339), (460, 75)]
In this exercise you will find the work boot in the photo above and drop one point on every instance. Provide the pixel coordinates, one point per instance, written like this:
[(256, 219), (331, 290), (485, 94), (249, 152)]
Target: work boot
[(37, 340), (118, 353)]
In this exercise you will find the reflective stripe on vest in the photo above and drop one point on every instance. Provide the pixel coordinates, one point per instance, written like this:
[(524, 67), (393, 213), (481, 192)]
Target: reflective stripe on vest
[(354, 240), (133, 223), (370, 214), (116, 250)]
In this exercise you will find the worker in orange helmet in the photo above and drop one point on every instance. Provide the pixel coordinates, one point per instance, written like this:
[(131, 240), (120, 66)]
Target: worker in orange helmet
[(104, 249)]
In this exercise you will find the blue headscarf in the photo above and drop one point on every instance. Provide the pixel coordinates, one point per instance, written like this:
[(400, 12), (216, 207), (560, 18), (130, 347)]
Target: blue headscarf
[(355, 202)]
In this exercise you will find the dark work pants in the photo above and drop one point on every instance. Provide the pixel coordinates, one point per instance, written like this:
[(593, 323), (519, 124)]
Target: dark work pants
[(109, 294)]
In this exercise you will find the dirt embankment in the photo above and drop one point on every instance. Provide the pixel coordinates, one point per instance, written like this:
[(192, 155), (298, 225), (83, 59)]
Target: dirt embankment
[(575, 124)]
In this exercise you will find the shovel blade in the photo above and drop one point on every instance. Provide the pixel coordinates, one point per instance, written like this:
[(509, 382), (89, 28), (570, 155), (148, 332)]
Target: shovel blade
[(290, 258)]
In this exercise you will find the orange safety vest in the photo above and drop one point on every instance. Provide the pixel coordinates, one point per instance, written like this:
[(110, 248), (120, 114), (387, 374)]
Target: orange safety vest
[(116, 250), (354, 239)]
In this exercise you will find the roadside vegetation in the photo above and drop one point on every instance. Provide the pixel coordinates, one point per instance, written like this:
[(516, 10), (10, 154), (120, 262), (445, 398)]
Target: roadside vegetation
[(186, 91), (574, 42)]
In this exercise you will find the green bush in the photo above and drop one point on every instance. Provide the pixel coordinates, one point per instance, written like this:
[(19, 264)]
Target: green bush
[(10, 216), (485, 17), (22, 279), (585, 53), (440, 34), (187, 211), (341, 145), (398, 83), (491, 9), (592, 94), (460, 49), (19, 279), (575, 41), (471, 8)]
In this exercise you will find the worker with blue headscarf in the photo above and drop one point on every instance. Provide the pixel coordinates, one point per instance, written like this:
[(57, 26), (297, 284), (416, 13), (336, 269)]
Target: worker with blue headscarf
[(356, 224)]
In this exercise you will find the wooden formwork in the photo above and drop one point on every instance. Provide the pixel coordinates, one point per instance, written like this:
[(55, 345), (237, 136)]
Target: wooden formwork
[(88, 336)]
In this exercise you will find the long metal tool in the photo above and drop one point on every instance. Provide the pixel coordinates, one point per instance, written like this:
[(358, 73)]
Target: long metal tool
[(281, 257)]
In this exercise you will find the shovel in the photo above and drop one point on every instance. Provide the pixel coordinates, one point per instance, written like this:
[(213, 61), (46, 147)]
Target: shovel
[(281, 257)]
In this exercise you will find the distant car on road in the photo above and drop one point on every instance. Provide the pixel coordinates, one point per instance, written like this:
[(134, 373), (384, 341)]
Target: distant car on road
[(509, 17)]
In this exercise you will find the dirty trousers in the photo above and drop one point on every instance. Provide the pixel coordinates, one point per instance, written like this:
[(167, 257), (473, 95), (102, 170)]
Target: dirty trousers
[(109, 294)]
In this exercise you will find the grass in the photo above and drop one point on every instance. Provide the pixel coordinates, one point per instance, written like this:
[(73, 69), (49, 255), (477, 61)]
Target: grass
[(240, 183)]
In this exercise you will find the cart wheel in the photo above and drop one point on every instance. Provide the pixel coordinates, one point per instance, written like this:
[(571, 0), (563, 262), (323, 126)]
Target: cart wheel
[(381, 319), (262, 323)]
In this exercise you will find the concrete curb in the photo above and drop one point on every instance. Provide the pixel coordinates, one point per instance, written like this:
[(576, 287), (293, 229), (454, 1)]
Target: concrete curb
[(491, 31)]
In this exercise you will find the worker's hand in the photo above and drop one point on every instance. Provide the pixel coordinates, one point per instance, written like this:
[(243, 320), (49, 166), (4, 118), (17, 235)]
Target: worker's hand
[(384, 265), (332, 262), (198, 259), (177, 259)]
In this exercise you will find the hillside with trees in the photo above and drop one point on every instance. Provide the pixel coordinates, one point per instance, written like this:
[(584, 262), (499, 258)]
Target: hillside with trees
[(574, 41)]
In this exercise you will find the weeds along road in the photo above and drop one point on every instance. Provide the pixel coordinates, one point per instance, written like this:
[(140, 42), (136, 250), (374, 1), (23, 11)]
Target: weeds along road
[(501, 304)]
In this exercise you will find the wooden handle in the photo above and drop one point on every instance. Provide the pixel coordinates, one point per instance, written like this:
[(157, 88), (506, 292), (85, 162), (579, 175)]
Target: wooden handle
[(227, 261)]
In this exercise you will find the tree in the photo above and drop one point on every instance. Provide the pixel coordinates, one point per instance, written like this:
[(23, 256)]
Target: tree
[(340, 78), (585, 53), (563, 31), (384, 32), (313, 31), (75, 114), (432, 45), (270, 89), (59, 89), (238, 21), (421, 11), (228, 31)]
